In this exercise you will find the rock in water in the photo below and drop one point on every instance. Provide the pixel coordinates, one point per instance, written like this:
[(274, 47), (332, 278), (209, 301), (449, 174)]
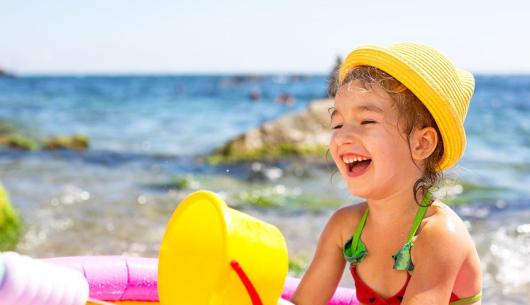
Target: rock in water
[(300, 134), (75, 142)]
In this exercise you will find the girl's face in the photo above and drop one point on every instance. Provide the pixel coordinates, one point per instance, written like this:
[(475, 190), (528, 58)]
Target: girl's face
[(370, 151)]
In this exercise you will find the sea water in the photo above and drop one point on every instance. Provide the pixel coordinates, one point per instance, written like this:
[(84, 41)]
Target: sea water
[(147, 134)]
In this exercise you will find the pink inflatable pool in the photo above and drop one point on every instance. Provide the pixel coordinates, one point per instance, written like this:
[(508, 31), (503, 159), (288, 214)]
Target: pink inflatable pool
[(133, 280)]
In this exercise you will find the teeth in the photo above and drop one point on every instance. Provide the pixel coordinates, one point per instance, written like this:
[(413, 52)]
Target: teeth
[(353, 159)]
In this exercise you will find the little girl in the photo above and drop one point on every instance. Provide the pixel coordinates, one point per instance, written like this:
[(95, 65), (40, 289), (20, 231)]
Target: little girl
[(397, 124)]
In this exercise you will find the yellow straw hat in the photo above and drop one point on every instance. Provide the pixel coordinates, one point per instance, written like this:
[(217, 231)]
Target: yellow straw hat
[(444, 89)]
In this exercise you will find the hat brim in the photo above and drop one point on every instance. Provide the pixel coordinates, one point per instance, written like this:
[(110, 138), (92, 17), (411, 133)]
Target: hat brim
[(421, 84)]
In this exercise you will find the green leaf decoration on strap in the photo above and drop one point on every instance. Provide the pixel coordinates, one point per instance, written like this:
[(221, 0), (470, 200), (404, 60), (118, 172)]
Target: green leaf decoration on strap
[(402, 259), (356, 255)]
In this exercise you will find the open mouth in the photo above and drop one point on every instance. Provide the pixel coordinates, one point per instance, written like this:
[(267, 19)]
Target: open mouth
[(358, 166)]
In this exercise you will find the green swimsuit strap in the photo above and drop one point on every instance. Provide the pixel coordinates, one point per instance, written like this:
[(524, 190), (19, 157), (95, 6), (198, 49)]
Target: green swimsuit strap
[(359, 229), (417, 220), (419, 216), (468, 300)]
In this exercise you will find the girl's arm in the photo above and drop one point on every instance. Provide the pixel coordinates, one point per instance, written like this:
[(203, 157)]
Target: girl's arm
[(438, 253), (323, 275)]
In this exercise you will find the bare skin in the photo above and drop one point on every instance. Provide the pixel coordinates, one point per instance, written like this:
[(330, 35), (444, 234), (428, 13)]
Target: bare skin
[(366, 124)]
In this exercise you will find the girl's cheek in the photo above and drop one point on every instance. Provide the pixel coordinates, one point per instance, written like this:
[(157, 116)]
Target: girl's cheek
[(333, 145), (331, 148), (333, 139), (334, 154)]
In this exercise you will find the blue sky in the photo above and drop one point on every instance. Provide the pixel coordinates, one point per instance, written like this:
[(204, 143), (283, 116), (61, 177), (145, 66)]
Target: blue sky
[(84, 37)]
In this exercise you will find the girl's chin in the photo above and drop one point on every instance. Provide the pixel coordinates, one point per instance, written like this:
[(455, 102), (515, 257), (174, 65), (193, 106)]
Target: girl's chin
[(366, 188), (360, 192)]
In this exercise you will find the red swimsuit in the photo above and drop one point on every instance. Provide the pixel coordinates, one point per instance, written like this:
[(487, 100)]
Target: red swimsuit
[(355, 251), (366, 295)]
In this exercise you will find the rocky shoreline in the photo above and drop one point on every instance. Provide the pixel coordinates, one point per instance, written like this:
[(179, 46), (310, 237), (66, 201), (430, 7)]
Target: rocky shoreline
[(17, 137), (305, 134)]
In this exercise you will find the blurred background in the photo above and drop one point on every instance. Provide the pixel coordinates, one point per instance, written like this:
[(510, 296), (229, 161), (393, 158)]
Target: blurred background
[(111, 112)]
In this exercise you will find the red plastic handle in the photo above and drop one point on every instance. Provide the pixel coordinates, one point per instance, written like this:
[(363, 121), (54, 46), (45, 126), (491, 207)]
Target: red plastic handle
[(251, 290)]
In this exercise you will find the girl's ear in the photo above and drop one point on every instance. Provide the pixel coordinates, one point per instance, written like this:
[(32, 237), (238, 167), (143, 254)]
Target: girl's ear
[(423, 142)]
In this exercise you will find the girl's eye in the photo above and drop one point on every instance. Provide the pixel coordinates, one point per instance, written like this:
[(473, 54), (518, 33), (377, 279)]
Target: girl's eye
[(337, 127), (365, 122)]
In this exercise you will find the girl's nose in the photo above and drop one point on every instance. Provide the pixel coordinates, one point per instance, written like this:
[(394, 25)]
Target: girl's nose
[(344, 136)]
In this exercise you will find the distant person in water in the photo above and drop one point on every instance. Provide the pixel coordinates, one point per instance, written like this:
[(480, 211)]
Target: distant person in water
[(398, 123), (285, 99), (254, 95)]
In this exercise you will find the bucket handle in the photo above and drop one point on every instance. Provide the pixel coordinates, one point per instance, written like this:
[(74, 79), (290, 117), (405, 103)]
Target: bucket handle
[(251, 290)]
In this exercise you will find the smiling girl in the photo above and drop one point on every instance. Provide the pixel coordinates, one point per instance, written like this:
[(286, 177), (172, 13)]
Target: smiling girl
[(397, 124)]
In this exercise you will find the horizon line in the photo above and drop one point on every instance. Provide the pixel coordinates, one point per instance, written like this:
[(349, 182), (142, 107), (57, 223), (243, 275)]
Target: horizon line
[(213, 73)]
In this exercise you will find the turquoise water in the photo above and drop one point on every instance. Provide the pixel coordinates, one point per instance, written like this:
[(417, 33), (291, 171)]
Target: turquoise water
[(181, 115), (498, 128), (147, 133)]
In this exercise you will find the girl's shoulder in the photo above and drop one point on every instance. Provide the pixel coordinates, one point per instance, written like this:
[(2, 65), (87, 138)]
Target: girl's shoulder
[(443, 230), (444, 252), (345, 221), (440, 217)]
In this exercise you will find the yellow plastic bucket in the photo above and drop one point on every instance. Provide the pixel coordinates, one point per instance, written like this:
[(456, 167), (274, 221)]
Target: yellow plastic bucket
[(212, 255)]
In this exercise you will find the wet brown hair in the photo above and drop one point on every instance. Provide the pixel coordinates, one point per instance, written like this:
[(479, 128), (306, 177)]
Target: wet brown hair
[(411, 112)]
